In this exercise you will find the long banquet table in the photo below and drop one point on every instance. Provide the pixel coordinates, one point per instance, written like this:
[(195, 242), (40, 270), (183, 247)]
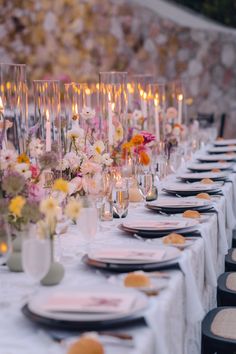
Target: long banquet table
[(170, 326)]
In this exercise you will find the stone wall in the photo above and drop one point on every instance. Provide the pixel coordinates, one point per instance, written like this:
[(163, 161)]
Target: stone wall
[(74, 39)]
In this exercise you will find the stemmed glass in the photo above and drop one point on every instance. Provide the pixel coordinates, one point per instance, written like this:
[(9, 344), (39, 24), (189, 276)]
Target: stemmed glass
[(36, 253), (145, 182), (120, 196), (5, 241)]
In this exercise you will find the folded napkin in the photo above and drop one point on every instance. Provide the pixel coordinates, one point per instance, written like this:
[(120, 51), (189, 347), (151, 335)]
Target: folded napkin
[(222, 236), (194, 308), (210, 272)]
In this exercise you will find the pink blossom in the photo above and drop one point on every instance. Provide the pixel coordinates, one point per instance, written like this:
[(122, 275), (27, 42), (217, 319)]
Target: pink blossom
[(75, 185), (171, 113), (34, 171), (148, 137), (35, 192), (89, 167)]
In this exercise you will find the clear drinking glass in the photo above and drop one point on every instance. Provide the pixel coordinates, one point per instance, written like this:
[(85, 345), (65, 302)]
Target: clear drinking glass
[(5, 240), (145, 183), (120, 196), (36, 254), (88, 221)]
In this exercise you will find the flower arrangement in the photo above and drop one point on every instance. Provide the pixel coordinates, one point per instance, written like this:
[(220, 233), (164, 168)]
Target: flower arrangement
[(138, 147)]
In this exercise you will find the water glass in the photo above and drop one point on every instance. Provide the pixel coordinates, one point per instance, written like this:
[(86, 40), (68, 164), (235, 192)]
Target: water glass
[(120, 197), (145, 183), (88, 221), (36, 253)]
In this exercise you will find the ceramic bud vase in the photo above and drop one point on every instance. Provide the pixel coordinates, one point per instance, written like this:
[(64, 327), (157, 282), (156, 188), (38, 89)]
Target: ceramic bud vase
[(56, 271), (14, 261)]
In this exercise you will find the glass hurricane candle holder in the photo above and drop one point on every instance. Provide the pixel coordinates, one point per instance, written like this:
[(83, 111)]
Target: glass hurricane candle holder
[(81, 108), (13, 107), (47, 120), (113, 109), (176, 97), (139, 107), (156, 108)]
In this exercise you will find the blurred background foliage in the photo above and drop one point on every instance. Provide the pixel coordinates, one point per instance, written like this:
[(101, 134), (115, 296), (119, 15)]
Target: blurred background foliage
[(222, 11)]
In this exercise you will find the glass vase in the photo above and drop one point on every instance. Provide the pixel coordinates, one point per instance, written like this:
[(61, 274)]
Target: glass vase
[(13, 107)]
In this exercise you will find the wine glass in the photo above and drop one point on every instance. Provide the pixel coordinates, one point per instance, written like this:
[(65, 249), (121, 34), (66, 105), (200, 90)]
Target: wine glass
[(120, 197), (36, 253), (145, 183), (5, 241), (88, 221)]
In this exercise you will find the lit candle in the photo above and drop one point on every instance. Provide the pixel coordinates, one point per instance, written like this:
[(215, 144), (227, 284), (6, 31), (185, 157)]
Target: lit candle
[(180, 107), (88, 97), (130, 91), (143, 103), (48, 132), (110, 124), (4, 137), (156, 118), (75, 116)]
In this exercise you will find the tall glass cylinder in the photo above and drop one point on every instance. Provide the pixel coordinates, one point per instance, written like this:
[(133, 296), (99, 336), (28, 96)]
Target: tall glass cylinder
[(13, 107), (176, 97), (47, 120), (138, 100), (113, 108), (156, 108), (82, 108)]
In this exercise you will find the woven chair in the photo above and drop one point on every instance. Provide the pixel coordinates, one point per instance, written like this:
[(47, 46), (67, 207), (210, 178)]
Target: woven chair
[(219, 331), (230, 260), (226, 289)]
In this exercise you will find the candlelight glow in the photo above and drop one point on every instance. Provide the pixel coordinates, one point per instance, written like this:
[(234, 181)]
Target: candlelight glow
[(1, 105), (47, 116), (130, 88), (87, 91), (3, 247), (144, 95), (113, 106), (180, 97), (156, 102)]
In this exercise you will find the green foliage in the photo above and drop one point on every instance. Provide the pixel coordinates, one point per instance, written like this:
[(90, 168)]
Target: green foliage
[(222, 11)]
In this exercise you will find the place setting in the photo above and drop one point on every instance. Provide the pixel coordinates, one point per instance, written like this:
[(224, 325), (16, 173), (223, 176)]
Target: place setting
[(193, 189), (222, 149), (207, 167), (198, 176), (215, 158), (225, 142)]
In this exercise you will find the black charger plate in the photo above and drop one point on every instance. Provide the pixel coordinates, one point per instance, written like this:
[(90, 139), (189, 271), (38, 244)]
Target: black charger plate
[(125, 268), (82, 325)]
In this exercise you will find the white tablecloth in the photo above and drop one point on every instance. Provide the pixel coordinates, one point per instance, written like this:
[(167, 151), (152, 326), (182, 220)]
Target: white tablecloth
[(168, 330)]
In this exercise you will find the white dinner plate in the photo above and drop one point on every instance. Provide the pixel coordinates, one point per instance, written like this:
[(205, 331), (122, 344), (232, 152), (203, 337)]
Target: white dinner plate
[(140, 302), (202, 175), (159, 225), (217, 157), (169, 254), (225, 142), (188, 202), (193, 187), (209, 166), (221, 149)]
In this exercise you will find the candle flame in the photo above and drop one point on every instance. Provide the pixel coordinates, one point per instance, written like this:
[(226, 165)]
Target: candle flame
[(3, 247), (144, 95), (155, 102), (47, 115), (76, 108), (97, 86), (1, 104), (109, 96), (130, 88), (87, 91), (113, 106), (180, 97)]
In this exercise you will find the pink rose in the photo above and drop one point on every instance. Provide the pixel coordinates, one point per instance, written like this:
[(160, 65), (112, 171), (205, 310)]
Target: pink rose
[(171, 113), (35, 192)]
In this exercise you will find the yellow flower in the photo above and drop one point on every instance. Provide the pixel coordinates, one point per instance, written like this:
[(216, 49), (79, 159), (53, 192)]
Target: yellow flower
[(99, 147), (49, 207), (61, 185), (23, 158), (144, 158), (137, 139), (16, 205), (72, 209), (119, 133)]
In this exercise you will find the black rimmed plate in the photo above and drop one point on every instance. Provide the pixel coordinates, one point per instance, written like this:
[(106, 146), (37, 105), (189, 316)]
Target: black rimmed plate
[(221, 149), (76, 321), (179, 210), (198, 176), (217, 157), (225, 142), (126, 267), (206, 167)]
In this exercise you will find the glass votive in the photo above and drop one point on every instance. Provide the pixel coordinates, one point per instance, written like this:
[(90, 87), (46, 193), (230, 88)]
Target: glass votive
[(106, 211)]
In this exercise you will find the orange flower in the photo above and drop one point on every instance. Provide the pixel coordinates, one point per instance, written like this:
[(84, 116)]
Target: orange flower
[(127, 146), (144, 158), (23, 158), (137, 140)]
